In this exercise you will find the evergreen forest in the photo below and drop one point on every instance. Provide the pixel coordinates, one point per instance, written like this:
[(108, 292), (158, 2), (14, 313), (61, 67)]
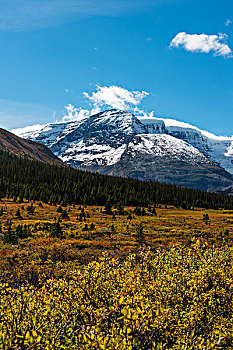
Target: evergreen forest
[(35, 181)]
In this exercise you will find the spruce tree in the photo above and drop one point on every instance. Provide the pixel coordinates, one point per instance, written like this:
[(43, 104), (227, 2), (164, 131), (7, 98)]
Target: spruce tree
[(18, 214), (56, 229), (140, 236), (108, 207)]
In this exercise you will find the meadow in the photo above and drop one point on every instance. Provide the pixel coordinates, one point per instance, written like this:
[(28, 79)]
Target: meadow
[(92, 277)]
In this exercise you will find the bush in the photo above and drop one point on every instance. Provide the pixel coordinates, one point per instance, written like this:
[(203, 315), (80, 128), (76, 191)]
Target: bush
[(174, 300)]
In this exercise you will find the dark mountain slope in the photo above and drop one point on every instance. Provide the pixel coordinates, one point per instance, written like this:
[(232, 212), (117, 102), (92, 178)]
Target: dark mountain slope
[(26, 148), (166, 159)]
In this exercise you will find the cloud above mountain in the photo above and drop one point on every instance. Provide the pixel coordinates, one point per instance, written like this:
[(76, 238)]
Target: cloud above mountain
[(73, 113), (115, 97), (203, 43), (105, 97)]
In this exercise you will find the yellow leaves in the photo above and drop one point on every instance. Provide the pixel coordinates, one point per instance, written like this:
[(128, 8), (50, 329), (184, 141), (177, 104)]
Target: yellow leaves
[(38, 339), (128, 331), (121, 300), (27, 335), (108, 305), (34, 334)]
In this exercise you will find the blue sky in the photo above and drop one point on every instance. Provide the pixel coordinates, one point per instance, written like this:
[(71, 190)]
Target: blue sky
[(179, 52)]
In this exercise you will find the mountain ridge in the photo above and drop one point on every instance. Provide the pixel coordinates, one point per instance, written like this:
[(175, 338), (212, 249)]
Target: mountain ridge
[(102, 141), (27, 148)]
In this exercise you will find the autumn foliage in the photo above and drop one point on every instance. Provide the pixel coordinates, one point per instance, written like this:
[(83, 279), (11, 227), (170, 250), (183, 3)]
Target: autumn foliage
[(136, 278), (176, 299)]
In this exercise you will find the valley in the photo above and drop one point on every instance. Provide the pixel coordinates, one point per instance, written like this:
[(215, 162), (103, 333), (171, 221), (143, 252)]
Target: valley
[(93, 261), (116, 175), (87, 231)]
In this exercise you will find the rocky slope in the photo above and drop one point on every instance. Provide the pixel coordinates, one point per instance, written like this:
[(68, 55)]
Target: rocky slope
[(26, 148), (217, 148), (167, 159), (117, 142)]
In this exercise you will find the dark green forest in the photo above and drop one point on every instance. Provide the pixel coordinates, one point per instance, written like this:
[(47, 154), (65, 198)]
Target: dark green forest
[(21, 179)]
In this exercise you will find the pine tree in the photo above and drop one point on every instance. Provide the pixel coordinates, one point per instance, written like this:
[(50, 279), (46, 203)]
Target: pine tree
[(137, 211), (85, 227), (31, 209), (120, 209), (52, 184), (113, 230), (140, 236), (59, 209), (18, 214), (129, 217), (143, 212), (64, 214), (92, 226), (108, 207), (154, 211), (56, 229), (10, 236), (206, 218)]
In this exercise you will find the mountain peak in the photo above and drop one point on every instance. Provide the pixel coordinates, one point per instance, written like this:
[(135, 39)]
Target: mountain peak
[(102, 142)]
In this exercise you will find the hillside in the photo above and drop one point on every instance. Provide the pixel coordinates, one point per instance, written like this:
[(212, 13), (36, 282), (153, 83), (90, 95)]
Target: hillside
[(165, 158), (27, 148)]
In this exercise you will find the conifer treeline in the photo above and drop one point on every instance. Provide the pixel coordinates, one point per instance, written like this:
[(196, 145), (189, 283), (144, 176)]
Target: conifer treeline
[(32, 180)]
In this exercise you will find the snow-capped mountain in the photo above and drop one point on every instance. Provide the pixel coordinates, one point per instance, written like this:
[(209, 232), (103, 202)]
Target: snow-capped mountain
[(216, 148), (100, 139), (165, 158), (119, 143)]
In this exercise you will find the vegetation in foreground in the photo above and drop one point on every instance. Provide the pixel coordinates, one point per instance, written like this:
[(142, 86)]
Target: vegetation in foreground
[(180, 299), (115, 278)]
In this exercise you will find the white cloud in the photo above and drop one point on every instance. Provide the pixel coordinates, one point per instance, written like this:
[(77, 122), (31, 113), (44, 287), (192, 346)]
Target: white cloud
[(115, 97), (202, 43), (142, 114), (106, 97), (228, 22), (75, 114)]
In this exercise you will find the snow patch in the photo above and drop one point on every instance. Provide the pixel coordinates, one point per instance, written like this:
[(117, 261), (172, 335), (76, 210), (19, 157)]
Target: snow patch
[(166, 146), (92, 154), (28, 129)]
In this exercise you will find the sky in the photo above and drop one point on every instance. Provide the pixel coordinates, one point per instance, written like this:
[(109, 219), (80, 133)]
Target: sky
[(64, 59)]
